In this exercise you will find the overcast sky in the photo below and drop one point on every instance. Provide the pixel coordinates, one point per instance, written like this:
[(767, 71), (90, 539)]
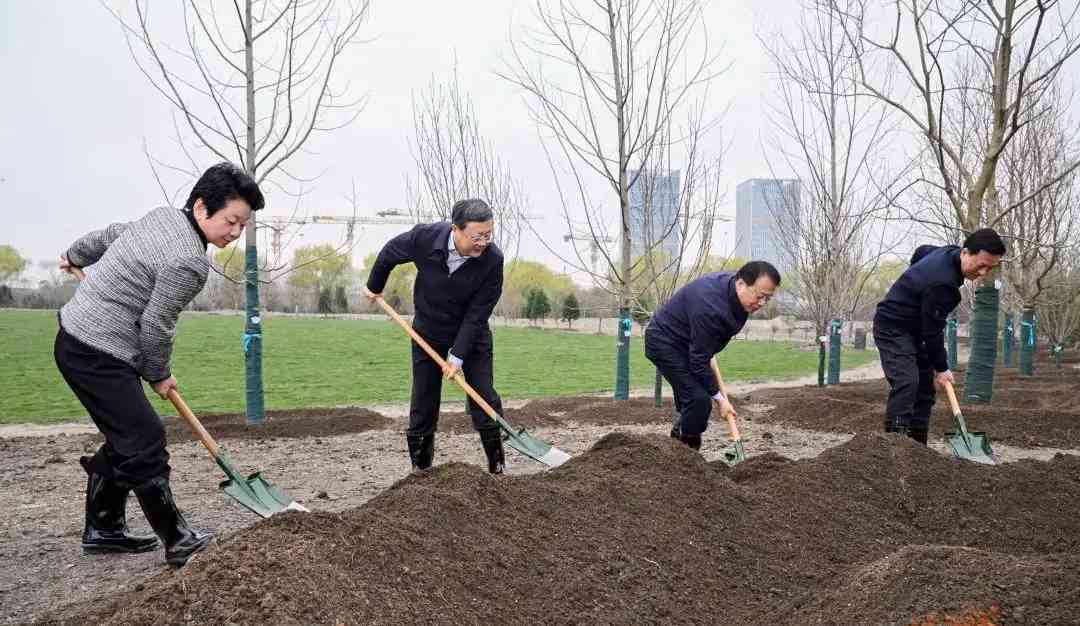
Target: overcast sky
[(76, 113)]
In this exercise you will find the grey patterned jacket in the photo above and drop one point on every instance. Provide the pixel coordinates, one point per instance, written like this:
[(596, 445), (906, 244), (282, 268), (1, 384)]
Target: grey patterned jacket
[(144, 273)]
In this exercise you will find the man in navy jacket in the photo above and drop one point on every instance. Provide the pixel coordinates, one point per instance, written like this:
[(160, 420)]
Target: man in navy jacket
[(909, 326), (690, 328), (459, 278)]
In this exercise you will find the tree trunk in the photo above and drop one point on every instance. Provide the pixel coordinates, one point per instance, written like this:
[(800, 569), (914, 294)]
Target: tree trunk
[(834, 352), (254, 409), (1027, 341), (658, 390)]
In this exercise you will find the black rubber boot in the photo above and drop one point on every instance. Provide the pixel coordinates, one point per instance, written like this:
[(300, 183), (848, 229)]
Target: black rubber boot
[(181, 542), (106, 518), (421, 451), (694, 441), (918, 434), (896, 425), (493, 448)]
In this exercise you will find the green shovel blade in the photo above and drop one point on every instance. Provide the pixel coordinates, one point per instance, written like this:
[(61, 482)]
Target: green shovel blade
[(532, 447), (973, 446), (255, 493), (736, 453)]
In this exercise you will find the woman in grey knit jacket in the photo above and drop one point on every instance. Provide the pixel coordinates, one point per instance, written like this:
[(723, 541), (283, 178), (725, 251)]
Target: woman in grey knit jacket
[(117, 330)]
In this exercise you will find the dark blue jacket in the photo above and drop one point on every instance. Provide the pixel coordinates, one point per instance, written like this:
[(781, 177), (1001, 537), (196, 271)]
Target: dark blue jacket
[(922, 298), (450, 308), (701, 318)]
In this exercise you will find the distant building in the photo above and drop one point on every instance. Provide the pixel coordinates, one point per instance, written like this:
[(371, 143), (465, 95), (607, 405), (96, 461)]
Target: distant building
[(654, 213), (758, 203)]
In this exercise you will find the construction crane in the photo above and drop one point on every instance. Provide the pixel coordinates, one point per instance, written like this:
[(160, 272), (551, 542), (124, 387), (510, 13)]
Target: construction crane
[(277, 223), (594, 244)]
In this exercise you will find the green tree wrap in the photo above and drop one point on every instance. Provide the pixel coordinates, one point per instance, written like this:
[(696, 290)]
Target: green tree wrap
[(979, 381), (834, 352)]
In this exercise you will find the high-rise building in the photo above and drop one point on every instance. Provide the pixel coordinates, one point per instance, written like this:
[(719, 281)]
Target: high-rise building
[(759, 205), (654, 213)]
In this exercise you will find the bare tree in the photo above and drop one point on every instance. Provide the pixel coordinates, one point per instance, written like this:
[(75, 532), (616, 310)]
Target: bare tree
[(829, 225), (455, 161), (252, 83), (969, 75), (1043, 225), (608, 82), (1060, 309)]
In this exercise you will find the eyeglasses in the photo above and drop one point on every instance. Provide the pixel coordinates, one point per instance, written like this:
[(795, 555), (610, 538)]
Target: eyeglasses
[(763, 298), (481, 237)]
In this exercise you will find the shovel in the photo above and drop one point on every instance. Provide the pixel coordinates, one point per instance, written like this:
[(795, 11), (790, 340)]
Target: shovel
[(254, 492), (516, 438), (973, 446), (737, 453)]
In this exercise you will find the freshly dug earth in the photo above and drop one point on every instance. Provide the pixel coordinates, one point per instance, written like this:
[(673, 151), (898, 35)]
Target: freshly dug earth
[(947, 585), (1032, 412), (286, 423), (643, 530), (554, 412)]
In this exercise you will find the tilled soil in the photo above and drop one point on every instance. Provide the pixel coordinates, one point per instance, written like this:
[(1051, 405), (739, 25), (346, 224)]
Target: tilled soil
[(286, 423), (1030, 412), (640, 529)]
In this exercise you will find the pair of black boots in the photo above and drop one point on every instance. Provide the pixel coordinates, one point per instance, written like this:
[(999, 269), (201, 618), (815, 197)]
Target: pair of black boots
[(106, 528), (694, 441), (899, 426), (422, 450)]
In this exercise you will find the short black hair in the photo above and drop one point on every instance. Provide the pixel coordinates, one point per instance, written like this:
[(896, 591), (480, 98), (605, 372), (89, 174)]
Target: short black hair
[(470, 210), (985, 239), (753, 270), (221, 183)]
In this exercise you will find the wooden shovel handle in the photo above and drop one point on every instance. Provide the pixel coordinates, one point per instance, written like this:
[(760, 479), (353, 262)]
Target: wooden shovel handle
[(178, 402), (194, 423), (728, 415), (459, 378), (951, 393)]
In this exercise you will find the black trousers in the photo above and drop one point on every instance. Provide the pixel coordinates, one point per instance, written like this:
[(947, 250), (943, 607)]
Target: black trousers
[(479, 369), (112, 393), (692, 399), (910, 375)]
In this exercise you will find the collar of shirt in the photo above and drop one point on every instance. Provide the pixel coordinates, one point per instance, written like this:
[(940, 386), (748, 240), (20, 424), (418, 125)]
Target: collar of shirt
[(454, 259)]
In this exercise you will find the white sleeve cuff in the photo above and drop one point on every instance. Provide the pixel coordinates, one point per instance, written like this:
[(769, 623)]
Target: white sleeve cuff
[(456, 362), (718, 396)]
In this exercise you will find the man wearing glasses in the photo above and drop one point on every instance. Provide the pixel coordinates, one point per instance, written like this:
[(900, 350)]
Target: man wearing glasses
[(690, 328), (459, 278), (909, 326)]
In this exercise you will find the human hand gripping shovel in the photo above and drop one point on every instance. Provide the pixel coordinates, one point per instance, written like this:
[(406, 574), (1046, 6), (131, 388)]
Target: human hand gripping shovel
[(254, 492), (516, 438), (973, 446), (737, 453)]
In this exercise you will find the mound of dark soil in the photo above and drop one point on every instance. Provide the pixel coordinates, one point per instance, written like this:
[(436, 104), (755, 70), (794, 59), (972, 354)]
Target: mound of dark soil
[(285, 423), (554, 412), (1033, 412), (929, 585), (642, 530)]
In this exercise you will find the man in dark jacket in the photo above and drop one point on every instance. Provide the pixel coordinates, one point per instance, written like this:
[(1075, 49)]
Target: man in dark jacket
[(117, 331), (459, 278), (690, 328), (909, 326)]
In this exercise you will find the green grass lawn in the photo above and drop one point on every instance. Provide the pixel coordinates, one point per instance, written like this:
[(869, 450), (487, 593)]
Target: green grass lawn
[(327, 362)]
